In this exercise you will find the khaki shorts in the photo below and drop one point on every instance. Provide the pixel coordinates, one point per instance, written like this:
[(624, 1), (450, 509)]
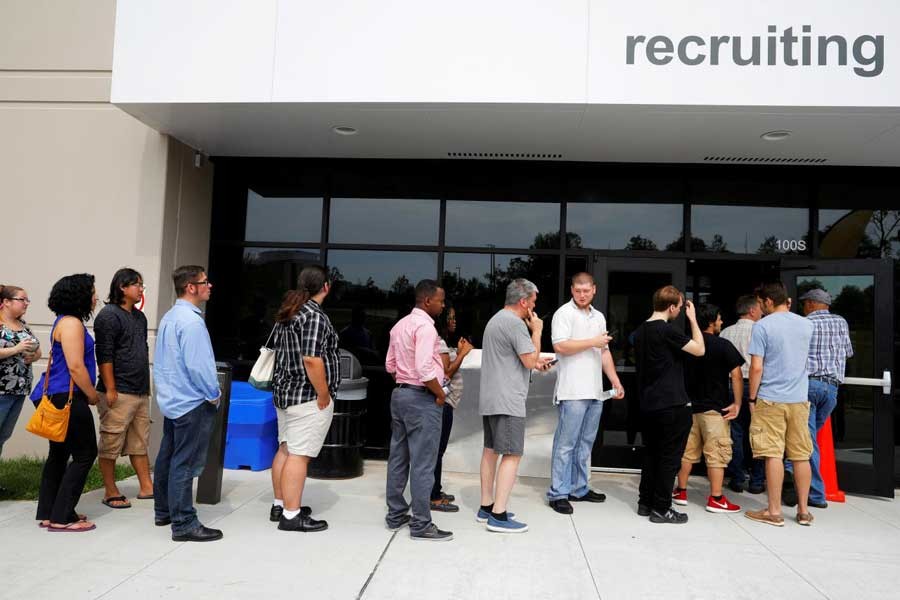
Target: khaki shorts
[(778, 429), (711, 435), (124, 428), (303, 427)]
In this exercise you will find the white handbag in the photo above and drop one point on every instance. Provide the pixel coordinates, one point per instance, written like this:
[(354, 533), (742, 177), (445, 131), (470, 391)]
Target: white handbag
[(264, 367)]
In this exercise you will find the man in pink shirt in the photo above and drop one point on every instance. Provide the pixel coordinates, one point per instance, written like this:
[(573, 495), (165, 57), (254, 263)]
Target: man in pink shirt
[(416, 408)]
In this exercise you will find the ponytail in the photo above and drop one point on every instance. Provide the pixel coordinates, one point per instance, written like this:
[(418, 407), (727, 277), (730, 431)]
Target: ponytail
[(311, 281)]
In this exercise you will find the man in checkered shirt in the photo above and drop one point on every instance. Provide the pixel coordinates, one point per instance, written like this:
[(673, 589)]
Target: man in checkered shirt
[(829, 350)]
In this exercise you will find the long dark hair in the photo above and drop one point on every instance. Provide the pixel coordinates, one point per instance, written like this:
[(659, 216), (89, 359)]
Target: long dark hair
[(71, 296), (310, 282), (123, 278)]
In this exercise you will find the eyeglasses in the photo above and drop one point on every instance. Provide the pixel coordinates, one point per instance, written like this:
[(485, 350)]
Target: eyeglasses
[(204, 282), (22, 300), (139, 284)]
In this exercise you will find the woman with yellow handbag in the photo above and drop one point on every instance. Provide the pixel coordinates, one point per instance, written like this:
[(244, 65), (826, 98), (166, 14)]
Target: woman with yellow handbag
[(69, 381)]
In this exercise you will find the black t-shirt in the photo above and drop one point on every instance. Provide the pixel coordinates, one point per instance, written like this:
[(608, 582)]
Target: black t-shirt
[(660, 365), (121, 339), (707, 375)]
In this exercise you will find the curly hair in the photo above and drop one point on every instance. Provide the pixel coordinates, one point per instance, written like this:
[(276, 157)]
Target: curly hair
[(71, 296)]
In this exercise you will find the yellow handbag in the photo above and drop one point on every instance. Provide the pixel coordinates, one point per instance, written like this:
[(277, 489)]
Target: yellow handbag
[(48, 421)]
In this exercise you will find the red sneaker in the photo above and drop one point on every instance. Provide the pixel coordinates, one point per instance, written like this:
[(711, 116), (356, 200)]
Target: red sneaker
[(723, 506), (679, 497)]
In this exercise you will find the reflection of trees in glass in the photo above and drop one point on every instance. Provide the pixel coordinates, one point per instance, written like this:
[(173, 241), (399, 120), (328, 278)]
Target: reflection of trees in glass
[(718, 244), (768, 246), (697, 244), (855, 305), (808, 284), (882, 232), (639, 242)]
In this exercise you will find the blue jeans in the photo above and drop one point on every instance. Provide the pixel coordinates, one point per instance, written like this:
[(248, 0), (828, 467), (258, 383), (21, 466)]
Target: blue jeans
[(10, 407), (415, 437), (822, 400), (181, 458), (576, 430), (740, 445)]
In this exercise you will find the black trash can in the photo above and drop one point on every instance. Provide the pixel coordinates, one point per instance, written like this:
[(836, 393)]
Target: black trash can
[(341, 455), (209, 485)]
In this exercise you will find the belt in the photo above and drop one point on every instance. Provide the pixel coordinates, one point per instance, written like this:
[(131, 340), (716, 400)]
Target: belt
[(409, 386), (825, 378)]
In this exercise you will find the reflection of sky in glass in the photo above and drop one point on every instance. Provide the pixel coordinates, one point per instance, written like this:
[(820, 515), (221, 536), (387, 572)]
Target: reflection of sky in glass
[(478, 266), (283, 219), (503, 224), (271, 255), (384, 221), (745, 228), (611, 226), (383, 267)]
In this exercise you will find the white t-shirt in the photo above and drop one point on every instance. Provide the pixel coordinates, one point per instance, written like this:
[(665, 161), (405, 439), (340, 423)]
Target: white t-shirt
[(578, 376)]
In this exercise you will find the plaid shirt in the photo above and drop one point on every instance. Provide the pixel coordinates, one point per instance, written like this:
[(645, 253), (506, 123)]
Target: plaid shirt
[(829, 347), (309, 333)]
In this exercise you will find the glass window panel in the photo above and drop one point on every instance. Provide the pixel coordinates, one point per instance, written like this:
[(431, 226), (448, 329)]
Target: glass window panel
[(283, 219), (750, 229), (859, 233), (476, 286), (853, 297), (371, 291), (607, 226), (384, 221), (502, 224), (267, 273)]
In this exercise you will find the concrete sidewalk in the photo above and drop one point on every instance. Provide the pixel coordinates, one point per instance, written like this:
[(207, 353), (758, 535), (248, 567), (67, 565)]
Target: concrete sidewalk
[(602, 551)]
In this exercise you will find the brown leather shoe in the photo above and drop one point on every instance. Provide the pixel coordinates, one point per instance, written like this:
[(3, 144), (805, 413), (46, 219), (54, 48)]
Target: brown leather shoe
[(444, 505), (762, 516), (805, 519)]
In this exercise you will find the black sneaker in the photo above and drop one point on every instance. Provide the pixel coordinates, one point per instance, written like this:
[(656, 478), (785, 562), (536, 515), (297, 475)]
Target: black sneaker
[(789, 497), (591, 496), (562, 506), (200, 534), (822, 504), (756, 489), (432, 534), (736, 487), (643, 510), (276, 512), (670, 516), (302, 523), (404, 521)]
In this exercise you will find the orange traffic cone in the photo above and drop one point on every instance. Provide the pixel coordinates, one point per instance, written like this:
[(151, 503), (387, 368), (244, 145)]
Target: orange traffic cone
[(826, 463)]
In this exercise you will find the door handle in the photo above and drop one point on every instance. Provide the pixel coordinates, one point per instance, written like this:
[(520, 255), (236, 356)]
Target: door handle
[(884, 383)]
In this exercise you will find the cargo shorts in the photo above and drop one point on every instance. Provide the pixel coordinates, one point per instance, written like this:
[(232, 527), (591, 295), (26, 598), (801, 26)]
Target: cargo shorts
[(711, 436), (779, 429), (124, 426)]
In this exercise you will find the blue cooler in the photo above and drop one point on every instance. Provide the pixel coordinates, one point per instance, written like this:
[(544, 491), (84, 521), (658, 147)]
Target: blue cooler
[(252, 438)]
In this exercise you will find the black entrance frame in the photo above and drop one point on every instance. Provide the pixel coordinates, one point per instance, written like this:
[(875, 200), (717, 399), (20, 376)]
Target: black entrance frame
[(522, 181)]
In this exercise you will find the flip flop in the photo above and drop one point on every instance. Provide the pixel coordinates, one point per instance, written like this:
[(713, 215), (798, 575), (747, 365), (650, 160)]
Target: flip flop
[(71, 528), (109, 502), (46, 523), (142, 497)]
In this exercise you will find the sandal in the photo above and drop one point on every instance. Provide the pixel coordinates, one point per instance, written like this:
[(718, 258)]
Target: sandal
[(144, 496), (76, 527), (122, 500), (46, 522), (805, 519)]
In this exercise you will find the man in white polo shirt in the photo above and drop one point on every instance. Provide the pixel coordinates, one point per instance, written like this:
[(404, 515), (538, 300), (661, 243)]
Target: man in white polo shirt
[(580, 341)]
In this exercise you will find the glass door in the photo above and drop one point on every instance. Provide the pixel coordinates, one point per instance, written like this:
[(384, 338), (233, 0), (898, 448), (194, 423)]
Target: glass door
[(862, 422), (625, 289)]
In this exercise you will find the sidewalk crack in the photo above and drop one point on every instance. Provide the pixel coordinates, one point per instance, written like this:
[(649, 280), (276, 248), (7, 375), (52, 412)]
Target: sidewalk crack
[(375, 568)]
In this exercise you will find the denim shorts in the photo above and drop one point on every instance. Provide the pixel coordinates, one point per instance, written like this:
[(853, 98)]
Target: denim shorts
[(504, 434)]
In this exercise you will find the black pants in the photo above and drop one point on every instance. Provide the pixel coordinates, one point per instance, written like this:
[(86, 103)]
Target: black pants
[(446, 426), (62, 482), (665, 435)]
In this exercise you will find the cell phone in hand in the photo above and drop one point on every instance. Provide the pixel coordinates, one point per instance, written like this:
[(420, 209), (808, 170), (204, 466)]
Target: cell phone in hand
[(552, 362)]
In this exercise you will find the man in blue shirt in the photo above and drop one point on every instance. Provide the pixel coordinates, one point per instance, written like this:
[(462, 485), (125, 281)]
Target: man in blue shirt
[(187, 391), (779, 345)]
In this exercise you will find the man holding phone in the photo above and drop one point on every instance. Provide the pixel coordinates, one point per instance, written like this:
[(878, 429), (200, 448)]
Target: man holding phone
[(713, 409), (580, 341)]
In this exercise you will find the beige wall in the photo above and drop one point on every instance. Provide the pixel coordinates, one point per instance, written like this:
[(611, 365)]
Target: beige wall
[(84, 186)]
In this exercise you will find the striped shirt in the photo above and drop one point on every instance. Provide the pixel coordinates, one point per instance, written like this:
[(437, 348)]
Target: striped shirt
[(830, 346), (311, 334)]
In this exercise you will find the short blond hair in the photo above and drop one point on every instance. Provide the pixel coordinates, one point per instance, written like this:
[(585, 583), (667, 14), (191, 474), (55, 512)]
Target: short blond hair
[(583, 277)]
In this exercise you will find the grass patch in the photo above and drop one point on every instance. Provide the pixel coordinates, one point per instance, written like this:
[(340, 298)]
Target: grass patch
[(22, 477)]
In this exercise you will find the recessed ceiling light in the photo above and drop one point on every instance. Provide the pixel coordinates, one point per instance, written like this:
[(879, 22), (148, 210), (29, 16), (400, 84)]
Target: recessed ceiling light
[(344, 130), (775, 136)]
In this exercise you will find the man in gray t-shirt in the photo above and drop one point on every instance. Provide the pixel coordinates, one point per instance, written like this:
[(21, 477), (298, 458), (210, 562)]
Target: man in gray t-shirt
[(508, 355)]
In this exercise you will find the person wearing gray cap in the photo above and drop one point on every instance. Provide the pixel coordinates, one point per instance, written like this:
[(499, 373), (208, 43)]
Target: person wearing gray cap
[(829, 349)]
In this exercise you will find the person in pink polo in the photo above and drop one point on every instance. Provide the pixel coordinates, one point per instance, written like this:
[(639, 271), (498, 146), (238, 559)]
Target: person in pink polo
[(414, 360)]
